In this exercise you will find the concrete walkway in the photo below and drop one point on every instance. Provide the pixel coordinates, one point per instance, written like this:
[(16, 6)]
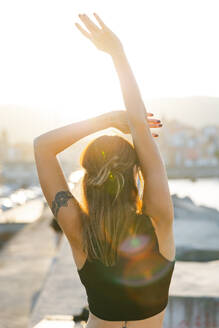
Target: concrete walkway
[(63, 293), (24, 262)]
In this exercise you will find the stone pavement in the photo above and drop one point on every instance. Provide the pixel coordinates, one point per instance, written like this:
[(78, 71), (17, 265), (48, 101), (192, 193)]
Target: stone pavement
[(56, 321), (24, 262), (63, 293)]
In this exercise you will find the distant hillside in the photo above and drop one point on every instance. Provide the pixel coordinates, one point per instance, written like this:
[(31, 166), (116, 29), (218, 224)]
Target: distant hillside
[(24, 123), (195, 111)]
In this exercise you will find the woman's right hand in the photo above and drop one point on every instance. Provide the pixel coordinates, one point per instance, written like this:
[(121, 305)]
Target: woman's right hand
[(104, 39), (118, 120)]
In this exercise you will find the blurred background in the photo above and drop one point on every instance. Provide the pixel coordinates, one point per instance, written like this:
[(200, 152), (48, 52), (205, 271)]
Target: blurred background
[(52, 76)]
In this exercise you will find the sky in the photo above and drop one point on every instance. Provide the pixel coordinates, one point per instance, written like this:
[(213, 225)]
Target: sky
[(48, 65)]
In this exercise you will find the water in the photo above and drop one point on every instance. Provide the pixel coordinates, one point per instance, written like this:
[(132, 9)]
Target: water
[(202, 191)]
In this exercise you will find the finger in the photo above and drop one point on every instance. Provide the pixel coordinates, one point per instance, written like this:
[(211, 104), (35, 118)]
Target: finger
[(89, 24), (152, 126), (153, 120), (150, 114), (84, 32), (155, 123), (100, 21), (155, 135)]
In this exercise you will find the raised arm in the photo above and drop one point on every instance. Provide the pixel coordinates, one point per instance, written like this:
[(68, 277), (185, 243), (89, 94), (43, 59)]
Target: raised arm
[(157, 200), (156, 197)]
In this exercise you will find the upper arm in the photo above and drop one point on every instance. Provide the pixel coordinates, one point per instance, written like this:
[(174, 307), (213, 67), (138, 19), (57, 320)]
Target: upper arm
[(156, 200), (63, 204)]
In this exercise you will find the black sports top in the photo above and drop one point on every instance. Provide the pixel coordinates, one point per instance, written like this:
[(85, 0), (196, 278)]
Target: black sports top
[(136, 287)]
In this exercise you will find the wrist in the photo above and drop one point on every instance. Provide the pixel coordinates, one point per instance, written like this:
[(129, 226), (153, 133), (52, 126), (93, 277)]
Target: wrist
[(117, 53)]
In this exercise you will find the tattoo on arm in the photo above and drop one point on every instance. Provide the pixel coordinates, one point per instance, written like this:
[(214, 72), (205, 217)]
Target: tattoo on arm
[(61, 199)]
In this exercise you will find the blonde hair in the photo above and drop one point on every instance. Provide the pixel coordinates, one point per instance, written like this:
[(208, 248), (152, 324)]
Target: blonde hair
[(111, 199)]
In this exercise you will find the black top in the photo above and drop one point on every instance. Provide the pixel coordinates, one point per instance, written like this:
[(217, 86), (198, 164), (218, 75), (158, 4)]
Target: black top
[(136, 287)]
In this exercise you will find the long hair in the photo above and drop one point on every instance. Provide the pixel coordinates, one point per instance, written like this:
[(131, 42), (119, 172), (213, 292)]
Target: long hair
[(110, 196)]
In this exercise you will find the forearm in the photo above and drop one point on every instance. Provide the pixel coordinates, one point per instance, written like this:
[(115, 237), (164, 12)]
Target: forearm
[(132, 98), (55, 141)]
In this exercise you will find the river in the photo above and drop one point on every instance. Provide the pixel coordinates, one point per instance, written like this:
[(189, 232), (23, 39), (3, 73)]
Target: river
[(203, 191)]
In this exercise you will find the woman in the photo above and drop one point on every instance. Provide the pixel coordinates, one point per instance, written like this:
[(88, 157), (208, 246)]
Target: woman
[(123, 246)]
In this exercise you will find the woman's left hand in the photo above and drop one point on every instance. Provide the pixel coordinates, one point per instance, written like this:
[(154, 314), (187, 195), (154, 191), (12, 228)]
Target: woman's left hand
[(118, 120)]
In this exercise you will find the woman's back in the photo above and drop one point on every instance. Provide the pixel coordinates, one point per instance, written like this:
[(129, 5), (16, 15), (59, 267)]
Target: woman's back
[(135, 288)]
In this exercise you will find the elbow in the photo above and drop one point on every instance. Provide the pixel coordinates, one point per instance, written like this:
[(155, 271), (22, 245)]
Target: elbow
[(35, 142), (38, 142)]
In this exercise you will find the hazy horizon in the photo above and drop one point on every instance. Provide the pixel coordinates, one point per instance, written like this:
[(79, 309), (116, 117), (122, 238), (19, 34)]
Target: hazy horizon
[(25, 123)]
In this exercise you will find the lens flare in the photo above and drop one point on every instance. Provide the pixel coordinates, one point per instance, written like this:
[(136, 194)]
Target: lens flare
[(103, 153), (141, 263), (134, 244)]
